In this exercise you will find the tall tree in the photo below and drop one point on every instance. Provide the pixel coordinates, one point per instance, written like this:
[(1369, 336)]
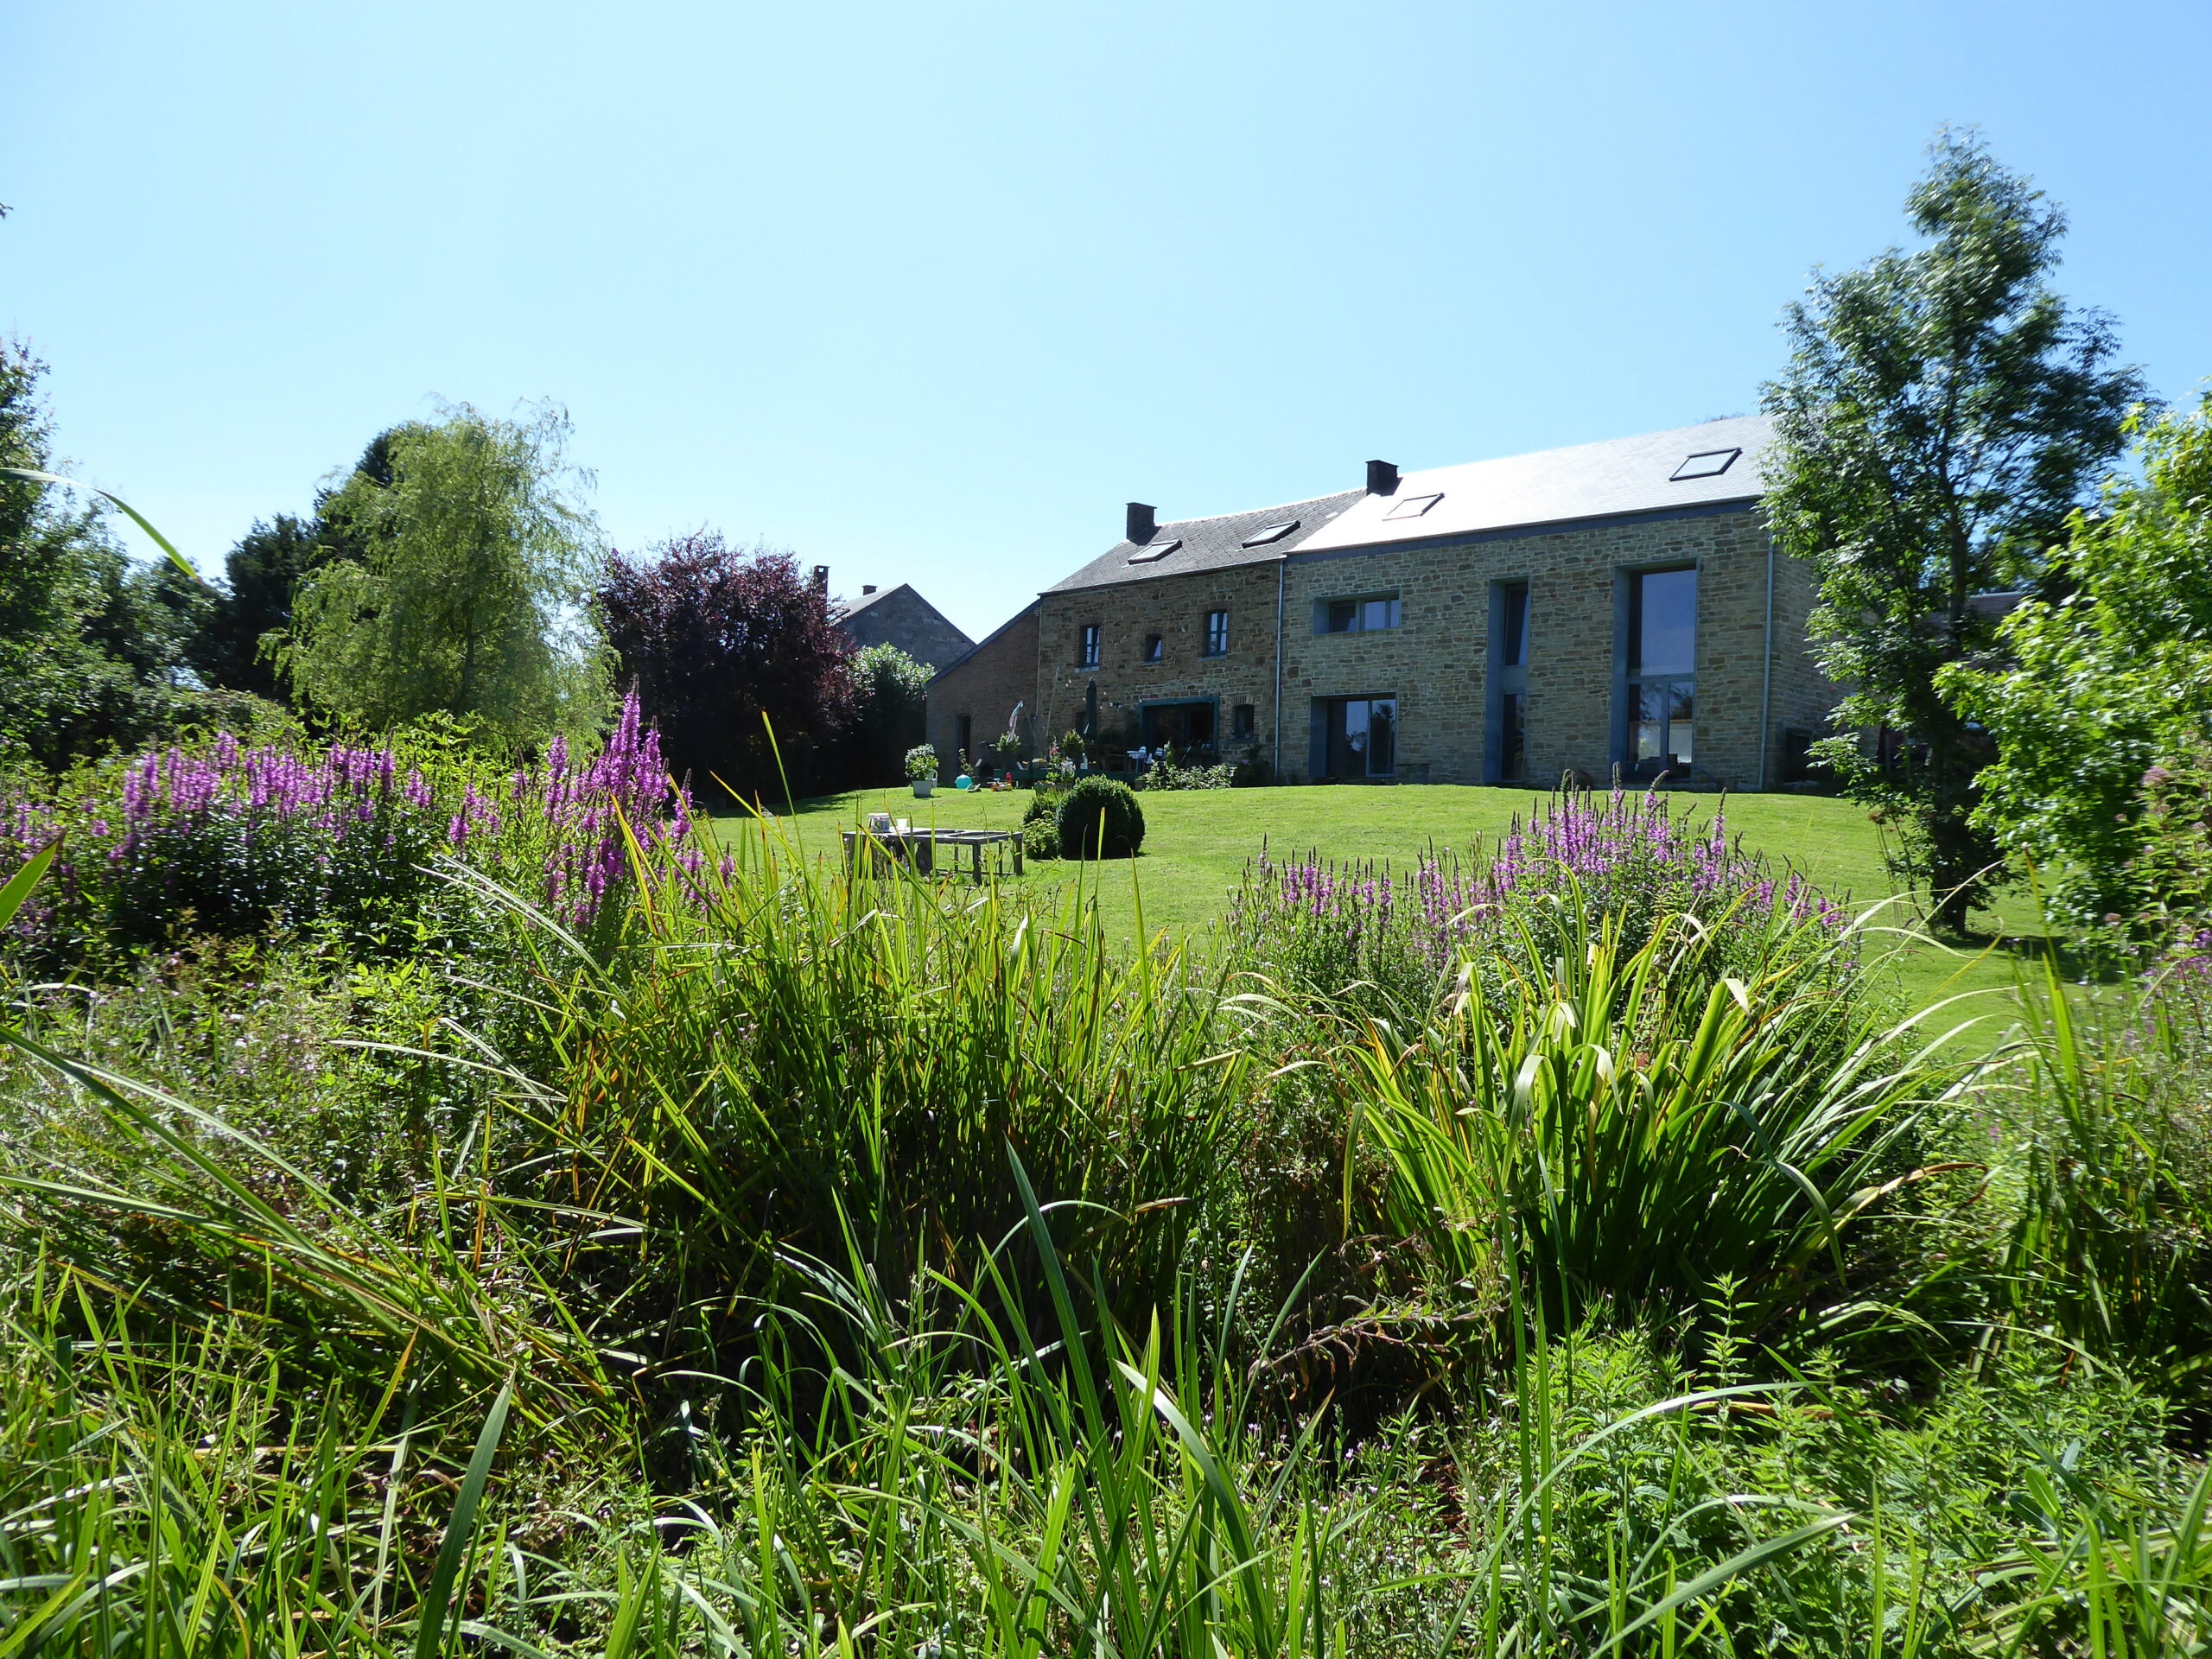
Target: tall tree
[(244, 625), (466, 594), (1942, 412), (725, 647), (2106, 682)]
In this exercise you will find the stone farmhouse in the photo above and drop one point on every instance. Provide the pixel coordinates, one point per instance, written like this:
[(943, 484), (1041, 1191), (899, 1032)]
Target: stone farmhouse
[(1612, 605)]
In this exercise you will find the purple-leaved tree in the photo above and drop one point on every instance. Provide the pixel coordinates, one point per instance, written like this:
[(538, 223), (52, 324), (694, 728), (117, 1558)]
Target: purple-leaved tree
[(722, 646)]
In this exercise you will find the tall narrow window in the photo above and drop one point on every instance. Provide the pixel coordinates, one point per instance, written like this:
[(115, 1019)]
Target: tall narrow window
[(1661, 671), (1089, 644), (1508, 667), (1217, 633)]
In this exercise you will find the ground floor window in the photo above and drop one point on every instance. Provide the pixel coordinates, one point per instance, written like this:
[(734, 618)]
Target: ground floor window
[(1662, 734), (963, 739), (1240, 721), (1360, 737), (1187, 727)]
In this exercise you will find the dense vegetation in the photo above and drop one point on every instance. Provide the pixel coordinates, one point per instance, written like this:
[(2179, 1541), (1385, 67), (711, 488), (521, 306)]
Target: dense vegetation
[(494, 1213)]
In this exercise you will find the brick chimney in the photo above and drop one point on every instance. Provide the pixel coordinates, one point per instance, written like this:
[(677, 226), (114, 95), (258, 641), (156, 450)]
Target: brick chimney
[(1381, 478), (821, 578), (1142, 523)]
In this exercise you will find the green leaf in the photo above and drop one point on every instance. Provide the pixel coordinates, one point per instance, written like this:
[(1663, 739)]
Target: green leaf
[(136, 516), (430, 1631), (20, 884)]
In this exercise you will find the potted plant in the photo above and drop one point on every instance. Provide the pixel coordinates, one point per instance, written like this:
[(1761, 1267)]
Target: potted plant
[(921, 769)]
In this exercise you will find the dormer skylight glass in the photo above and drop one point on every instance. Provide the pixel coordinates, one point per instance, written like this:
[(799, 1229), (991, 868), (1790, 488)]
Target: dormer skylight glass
[(1272, 533), (1152, 552), (1414, 505), (1709, 463)]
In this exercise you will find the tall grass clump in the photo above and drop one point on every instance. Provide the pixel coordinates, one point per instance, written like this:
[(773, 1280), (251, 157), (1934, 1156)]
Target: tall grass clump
[(1637, 1138), (2114, 1236)]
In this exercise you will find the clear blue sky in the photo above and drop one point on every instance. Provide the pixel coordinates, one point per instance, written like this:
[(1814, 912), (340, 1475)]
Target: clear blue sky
[(926, 292)]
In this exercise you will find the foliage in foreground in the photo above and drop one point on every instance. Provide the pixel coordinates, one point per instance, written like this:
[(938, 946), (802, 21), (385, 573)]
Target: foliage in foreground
[(2098, 698), (709, 1313)]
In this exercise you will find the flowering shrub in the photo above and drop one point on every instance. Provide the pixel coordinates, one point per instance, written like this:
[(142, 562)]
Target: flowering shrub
[(227, 839), (1328, 927)]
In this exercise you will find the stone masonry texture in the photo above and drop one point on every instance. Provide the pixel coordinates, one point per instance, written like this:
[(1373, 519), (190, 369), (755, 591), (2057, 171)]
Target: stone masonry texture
[(1175, 609)]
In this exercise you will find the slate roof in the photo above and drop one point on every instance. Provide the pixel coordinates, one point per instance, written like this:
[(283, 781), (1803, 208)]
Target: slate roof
[(1558, 487), (1210, 543)]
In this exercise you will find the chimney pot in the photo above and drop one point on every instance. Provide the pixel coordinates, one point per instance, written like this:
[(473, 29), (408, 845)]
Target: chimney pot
[(1142, 524), (1381, 478), (866, 588)]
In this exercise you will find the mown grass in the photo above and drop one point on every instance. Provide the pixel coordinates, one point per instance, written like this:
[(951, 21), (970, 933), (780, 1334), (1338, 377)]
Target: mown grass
[(1199, 842)]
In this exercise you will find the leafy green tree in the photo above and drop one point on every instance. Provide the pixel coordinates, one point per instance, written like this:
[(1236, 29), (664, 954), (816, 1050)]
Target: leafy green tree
[(890, 691), (466, 595), (2105, 680), (1942, 412), (233, 645), (88, 641), (244, 626)]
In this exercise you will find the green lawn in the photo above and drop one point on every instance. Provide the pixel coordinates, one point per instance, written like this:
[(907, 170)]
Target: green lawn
[(1198, 842)]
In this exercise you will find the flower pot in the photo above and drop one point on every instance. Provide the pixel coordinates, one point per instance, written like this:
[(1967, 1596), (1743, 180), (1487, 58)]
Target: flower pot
[(923, 786)]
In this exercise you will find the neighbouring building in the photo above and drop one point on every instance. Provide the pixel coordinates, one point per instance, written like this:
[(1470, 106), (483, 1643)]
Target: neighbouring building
[(1617, 604), (976, 697), (899, 616)]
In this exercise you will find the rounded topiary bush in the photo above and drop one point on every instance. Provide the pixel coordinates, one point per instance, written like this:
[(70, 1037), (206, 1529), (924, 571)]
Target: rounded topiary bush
[(1100, 819)]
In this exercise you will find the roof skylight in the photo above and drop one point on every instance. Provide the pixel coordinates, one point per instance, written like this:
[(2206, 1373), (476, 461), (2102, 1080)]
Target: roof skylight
[(1708, 463), (1152, 552), (1414, 505), (1272, 533)]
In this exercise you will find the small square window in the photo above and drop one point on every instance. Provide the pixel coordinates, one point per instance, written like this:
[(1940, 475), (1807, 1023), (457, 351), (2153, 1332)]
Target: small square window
[(1414, 505), (1240, 721), (1217, 633), (1155, 648)]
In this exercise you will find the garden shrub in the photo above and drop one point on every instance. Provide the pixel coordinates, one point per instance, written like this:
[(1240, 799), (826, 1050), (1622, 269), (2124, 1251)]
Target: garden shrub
[(225, 840), (1040, 839), (1100, 819), (1394, 938)]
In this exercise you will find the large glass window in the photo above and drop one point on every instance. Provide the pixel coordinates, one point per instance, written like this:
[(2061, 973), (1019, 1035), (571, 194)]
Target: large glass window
[(1368, 614), (1217, 633), (1361, 737), (1091, 645), (1661, 671)]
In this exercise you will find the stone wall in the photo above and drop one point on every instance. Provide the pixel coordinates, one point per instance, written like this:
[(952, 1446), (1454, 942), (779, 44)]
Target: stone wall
[(1175, 609), (1436, 662), (984, 687)]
